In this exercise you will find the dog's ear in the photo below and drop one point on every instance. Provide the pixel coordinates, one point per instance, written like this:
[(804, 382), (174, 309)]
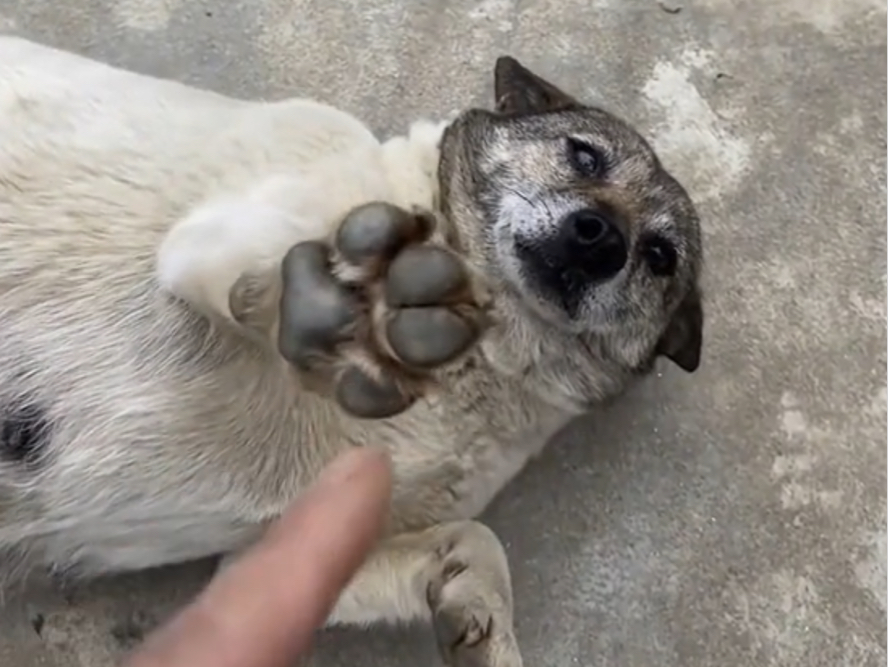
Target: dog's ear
[(519, 91), (682, 341)]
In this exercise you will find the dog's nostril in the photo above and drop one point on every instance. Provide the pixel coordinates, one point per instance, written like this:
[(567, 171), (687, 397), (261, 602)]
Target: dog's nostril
[(589, 228)]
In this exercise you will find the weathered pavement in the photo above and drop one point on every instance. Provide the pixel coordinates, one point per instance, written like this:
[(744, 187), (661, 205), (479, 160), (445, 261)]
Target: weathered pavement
[(731, 518)]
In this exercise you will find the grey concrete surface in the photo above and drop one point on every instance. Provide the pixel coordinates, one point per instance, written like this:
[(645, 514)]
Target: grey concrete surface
[(735, 517)]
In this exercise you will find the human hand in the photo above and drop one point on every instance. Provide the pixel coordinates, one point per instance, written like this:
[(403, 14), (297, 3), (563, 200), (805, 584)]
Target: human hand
[(263, 609)]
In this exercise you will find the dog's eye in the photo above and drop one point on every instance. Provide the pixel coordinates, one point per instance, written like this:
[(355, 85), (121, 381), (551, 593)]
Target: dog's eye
[(586, 159), (660, 256)]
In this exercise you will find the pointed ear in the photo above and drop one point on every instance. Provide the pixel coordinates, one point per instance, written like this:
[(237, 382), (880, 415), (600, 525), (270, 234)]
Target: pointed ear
[(520, 91), (682, 341)]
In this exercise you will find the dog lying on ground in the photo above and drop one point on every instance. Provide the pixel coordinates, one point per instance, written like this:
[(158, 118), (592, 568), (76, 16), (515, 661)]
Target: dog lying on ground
[(203, 300)]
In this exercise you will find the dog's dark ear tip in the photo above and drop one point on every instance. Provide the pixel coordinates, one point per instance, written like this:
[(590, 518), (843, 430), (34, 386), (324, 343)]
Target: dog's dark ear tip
[(506, 60), (682, 342), (519, 91), (687, 357), (689, 362), (505, 68)]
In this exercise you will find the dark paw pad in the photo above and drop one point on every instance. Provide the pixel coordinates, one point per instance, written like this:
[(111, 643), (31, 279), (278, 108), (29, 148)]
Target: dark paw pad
[(369, 398), (376, 231), (316, 311), (425, 276), (428, 337)]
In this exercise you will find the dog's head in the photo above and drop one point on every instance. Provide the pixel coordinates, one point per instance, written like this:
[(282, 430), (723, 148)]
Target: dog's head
[(573, 213)]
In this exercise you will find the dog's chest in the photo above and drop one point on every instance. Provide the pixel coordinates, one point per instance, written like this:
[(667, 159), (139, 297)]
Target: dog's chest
[(479, 438), (491, 467)]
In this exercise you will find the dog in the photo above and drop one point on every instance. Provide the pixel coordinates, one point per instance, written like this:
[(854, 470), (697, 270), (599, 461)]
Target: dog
[(204, 299)]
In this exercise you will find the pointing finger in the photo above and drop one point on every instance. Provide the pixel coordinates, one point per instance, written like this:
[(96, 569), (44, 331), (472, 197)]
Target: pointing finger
[(263, 609)]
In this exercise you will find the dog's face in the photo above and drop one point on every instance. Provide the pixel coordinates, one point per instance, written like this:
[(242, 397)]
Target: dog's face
[(582, 223)]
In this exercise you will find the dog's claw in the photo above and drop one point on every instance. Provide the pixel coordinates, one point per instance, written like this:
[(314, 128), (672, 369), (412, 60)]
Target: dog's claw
[(316, 311), (376, 230), (428, 337), (368, 398), (424, 276), (460, 636)]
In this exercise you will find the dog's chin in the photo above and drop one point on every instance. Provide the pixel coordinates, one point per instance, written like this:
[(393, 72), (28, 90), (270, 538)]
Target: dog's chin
[(594, 318), (545, 307)]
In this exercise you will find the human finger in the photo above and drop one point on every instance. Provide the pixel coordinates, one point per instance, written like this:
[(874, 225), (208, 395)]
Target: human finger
[(263, 609)]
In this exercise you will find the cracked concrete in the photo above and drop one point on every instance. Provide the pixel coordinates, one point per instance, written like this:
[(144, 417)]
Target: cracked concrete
[(731, 518)]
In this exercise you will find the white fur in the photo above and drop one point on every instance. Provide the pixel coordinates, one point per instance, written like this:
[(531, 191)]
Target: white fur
[(175, 437)]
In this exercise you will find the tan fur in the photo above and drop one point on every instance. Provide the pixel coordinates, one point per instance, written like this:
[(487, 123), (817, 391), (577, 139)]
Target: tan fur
[(129, 209)]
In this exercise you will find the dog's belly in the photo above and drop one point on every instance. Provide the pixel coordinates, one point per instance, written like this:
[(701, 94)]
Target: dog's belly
[(114, 148), (122, 380)]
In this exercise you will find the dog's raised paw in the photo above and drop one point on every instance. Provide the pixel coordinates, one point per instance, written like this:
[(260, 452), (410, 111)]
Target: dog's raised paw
[(383, 306)]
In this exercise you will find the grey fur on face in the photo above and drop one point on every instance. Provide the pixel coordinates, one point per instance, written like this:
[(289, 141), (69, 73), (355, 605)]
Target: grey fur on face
[(577, 218)]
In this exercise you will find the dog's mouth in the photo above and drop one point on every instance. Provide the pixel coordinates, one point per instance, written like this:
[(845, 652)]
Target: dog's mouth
[(550, 310)]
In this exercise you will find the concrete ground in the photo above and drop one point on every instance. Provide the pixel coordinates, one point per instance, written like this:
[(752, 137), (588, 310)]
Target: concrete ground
[(735, 517)]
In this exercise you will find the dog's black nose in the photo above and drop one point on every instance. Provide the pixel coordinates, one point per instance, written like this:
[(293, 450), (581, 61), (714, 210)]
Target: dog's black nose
[(594, 244), (588, 227), (588, 247)]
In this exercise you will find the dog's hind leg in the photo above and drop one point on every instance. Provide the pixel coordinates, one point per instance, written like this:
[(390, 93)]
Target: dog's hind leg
[(455, 575)]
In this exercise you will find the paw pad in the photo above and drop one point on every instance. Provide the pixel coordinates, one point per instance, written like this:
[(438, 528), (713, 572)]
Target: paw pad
[(316, 311), (383, 293)]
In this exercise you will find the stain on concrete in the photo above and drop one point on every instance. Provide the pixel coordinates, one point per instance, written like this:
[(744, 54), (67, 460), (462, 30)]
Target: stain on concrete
[(828, 16), (691, 132), (146, 15), (131, 630), (870, 568)]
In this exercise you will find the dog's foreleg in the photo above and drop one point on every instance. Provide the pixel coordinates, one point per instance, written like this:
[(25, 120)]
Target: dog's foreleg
[(224, 259), (455, 575)]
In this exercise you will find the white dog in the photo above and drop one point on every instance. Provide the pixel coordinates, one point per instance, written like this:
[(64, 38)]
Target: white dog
[(197, 313)]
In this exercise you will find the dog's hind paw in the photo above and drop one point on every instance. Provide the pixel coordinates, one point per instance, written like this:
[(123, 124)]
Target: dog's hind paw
[(383, 305)]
